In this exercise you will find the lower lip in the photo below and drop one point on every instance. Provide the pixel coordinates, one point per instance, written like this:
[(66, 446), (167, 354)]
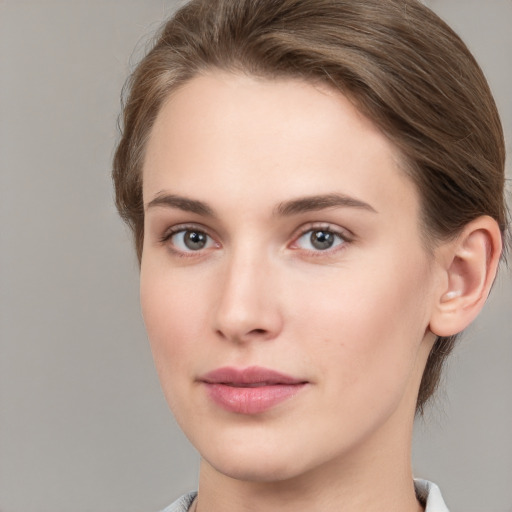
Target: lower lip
[(245, 400)]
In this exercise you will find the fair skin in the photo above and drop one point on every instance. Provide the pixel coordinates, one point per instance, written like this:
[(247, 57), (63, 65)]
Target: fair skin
[(281, 232)]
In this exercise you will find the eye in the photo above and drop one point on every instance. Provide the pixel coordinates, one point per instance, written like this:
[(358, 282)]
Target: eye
[(319, 240), (190, 240)]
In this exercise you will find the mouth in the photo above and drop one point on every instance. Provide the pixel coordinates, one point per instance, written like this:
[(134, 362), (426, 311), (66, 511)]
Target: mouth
[(251, 390), (251, 385)]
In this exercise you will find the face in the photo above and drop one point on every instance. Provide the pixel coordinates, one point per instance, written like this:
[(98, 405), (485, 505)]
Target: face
[(284, 284)]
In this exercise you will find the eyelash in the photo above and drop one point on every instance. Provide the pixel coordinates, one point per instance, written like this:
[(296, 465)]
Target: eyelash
[(344, 237), (183, 228)]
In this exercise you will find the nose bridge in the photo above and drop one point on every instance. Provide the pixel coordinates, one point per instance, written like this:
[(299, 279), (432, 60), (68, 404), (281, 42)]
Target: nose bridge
[(247, 306)]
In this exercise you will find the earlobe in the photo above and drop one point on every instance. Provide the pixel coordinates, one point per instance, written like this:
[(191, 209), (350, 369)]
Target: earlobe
[(469, 267)]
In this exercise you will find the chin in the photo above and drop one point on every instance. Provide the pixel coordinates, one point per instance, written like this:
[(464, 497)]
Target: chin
[(257, 468), (251, 456)]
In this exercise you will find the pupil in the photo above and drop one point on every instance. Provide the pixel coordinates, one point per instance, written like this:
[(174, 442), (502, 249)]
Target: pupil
[(195, 240), (322, 239)]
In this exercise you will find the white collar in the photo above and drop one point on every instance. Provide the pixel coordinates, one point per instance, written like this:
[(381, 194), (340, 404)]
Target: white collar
[(430, 494)]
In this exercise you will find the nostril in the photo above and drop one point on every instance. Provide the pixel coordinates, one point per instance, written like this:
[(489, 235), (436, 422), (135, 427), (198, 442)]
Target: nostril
[(258, 331), (252, 334)]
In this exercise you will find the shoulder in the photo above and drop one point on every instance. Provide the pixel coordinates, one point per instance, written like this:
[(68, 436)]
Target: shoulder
[(430, 495), (182, 504)]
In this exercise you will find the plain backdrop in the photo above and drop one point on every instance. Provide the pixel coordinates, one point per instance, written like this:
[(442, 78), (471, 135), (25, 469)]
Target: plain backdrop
[(83, 423)]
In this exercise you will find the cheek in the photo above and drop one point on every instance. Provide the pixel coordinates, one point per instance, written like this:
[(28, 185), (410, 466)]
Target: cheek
[(172, 318), (369, 324)]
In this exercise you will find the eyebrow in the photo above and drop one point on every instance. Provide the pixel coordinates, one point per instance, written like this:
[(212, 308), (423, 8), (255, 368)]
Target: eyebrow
[(181, 203), (320, 202), (284, 209)]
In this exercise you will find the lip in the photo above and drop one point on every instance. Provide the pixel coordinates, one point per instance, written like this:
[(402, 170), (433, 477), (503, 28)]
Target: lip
[(250, 390)]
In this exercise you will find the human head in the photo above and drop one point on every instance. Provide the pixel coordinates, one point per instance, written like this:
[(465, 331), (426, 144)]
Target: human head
[(401, 66)]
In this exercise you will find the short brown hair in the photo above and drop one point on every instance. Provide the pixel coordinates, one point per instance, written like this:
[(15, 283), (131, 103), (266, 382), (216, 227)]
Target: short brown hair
[(401, 65)]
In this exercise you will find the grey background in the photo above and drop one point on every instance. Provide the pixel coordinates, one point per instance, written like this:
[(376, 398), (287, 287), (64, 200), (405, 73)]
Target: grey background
[(83, 424)]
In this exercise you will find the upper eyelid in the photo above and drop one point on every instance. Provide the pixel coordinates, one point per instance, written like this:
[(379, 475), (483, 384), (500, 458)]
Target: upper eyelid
[(177, 228), (165, 240), (344, 233), (346, 237)]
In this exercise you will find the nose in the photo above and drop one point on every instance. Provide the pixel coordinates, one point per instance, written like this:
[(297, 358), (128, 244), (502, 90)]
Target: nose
[(248, 307)]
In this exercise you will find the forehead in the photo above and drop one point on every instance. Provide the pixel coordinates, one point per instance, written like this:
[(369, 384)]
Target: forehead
[(259, 138)]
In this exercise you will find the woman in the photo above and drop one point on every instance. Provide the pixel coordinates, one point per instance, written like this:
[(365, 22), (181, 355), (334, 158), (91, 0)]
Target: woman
[(316, 193)]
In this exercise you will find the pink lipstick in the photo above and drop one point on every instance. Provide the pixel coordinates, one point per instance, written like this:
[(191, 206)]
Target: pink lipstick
[(251, 390)]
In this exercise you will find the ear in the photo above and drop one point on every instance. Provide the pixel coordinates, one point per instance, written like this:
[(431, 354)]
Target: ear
[(468, 267)]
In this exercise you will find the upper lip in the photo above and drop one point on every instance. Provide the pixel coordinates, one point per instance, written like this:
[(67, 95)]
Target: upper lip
[(250, 376)]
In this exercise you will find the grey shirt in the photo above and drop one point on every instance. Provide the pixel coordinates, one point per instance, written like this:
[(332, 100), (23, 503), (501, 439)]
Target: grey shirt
[(427, 492)]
